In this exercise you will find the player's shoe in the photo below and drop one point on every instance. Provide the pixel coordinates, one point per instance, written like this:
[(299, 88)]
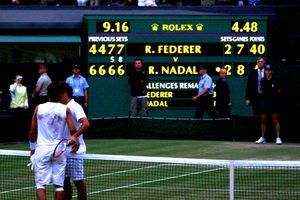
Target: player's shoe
[(278, 140), (261, 140)]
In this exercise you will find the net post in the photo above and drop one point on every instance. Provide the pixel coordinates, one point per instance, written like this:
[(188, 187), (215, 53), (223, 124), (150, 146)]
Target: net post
[(231, 180)]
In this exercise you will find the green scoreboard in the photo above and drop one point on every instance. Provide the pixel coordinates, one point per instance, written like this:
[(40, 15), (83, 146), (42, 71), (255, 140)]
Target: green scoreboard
[(172, 48)]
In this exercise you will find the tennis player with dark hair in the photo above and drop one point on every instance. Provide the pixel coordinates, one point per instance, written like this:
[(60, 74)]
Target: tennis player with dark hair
[(47, 129), (74, 168)]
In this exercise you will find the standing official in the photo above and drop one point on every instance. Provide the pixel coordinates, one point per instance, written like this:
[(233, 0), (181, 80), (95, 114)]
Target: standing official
[(40, 93), (138, 81), (270, 104), (223, 103), (204, 100), (253, 88), (79, 86)]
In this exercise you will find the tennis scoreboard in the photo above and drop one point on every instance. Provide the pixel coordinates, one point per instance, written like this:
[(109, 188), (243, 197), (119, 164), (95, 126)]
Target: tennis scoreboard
[(172, 49)]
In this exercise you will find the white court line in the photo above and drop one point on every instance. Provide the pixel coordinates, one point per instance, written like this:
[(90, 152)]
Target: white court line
[(120, 172), (17, 190), (153, 181), (90, 177), (264, 191), (182, 188), (217, 190), (124, 171)]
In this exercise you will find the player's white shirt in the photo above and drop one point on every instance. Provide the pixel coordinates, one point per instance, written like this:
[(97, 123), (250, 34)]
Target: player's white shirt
[(77, 113), (51, 118)]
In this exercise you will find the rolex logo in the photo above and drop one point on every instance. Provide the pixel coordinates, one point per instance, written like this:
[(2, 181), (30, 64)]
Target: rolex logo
[(154, 27), (199, 27)]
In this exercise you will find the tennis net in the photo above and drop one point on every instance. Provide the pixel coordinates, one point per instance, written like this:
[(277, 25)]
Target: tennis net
[(154, 178)]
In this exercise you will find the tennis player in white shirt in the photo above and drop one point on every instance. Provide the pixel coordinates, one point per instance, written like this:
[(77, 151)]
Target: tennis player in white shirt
[(47, 128), (75, 168)]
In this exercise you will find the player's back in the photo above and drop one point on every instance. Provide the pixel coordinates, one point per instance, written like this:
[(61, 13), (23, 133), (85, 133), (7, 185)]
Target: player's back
[(51, 118)]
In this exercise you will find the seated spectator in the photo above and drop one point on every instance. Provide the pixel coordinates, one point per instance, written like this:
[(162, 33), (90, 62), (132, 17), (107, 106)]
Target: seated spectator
[(223, 2), (6, 2), (15, 2), (128, 2), (81, 2), (24, 2), (95, 2), (147, 3), (177, 2), (52, 2), (67, 2), (254, 2)]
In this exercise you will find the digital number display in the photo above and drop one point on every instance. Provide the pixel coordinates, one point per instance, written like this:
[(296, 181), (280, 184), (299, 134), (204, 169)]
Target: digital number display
[(113, 27), (172, 48), (244, 26)]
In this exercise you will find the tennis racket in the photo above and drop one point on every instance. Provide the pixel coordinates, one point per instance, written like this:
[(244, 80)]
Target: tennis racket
[(60, 147)]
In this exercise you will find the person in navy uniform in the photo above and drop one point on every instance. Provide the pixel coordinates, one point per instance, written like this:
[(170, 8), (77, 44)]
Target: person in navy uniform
[(223, 103), (270, 104)]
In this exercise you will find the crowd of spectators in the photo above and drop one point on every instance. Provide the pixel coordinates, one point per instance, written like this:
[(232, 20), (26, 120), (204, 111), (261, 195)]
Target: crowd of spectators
[(156, 2)]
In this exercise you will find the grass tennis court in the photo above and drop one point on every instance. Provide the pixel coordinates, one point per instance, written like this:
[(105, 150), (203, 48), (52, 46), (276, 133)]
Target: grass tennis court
[(163, 180)]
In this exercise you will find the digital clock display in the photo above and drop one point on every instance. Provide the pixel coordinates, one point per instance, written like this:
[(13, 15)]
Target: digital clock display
[(113, 27)]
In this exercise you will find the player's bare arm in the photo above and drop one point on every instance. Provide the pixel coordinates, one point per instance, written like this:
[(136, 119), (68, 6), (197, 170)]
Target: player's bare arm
[(33, 131), (71, 127)]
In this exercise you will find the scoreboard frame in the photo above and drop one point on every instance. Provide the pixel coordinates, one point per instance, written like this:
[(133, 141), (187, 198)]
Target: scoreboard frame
[(172, 48)]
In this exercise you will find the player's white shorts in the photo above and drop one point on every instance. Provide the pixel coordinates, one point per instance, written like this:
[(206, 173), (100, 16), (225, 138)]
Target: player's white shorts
[(47, 168), (74, 169)]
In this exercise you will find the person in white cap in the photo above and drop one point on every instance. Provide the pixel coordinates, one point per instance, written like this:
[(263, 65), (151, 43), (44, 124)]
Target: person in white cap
[(18, 105), (18, 93)]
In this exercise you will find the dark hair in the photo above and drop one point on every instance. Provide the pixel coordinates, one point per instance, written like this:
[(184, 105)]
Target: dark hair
[(64, 87), (55, 89), (139, 59), (43, 65), (260, 58), (54, 92), (76, 66)]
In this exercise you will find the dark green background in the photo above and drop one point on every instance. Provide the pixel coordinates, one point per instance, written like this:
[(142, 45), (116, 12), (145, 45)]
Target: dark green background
[(109, 96)]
